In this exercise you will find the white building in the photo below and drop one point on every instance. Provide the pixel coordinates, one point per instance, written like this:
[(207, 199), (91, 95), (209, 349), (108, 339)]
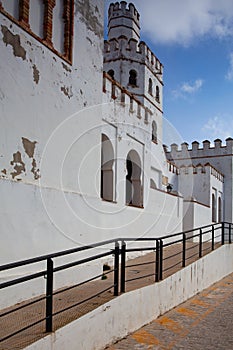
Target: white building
[(81, 152)]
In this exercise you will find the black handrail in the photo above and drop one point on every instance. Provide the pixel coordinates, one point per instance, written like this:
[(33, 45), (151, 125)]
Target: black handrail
[(95, 245), (119, 251), (55, 255)]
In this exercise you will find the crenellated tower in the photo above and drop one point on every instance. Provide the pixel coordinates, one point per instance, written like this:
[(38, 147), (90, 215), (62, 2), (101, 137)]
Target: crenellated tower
[(129, 61), (123, 20)]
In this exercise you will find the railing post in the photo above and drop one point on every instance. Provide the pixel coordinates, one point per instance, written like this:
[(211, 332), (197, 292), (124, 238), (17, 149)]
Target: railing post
[(49, 296), (123, 256), (157, 261), (212, 237), (116, 270), (230, 233), (223, 233), (200, 244), (161, 260), (184, 250)]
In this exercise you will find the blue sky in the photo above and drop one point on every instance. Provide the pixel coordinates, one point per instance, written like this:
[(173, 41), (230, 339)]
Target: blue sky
[(194, 41)]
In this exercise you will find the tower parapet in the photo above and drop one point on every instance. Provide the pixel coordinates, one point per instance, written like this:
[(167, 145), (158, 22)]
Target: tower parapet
[(207, 150), (129, 61), (126, 49), (123, 19)]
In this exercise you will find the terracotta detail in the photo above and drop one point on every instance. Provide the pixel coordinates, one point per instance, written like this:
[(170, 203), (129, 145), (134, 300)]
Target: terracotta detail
[(68, 15), (24, 7)]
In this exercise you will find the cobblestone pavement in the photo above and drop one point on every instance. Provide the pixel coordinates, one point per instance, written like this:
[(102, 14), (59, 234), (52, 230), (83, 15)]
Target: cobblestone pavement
[(203, 322)]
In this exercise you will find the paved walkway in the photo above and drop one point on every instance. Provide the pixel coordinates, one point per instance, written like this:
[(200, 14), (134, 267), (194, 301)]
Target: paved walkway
[(203, 322)]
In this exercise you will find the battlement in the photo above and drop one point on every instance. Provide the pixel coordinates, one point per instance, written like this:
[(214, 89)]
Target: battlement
[(207, 150), (201, 169), (123, 96), (132, 49), (123, 9)]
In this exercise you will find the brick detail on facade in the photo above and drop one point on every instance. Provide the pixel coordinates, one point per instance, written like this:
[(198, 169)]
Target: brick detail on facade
[(48, 21), (24, 6), (68, 20), (68, 15)]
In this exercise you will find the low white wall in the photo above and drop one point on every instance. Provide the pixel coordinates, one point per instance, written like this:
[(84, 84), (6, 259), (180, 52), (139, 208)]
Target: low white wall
[(132, 310)]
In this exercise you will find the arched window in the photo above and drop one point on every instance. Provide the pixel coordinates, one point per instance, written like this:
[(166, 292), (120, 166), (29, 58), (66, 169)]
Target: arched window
[(150, 86), (111, 73), (134, 195), (154, 132), (219, 209), (157, 94), (107, 173), (213, 208), (133, 77)]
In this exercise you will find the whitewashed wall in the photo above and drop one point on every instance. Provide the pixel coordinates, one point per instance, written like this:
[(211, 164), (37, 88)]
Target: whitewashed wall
[(38, 95), (39, 90), (196, 215), (220, 156)]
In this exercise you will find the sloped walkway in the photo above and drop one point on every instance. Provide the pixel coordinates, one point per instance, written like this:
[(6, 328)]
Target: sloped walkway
[(203, 322), (62, 300)]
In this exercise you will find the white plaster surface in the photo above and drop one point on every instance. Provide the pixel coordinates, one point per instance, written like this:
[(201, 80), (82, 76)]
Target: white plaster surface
[(50, 195)]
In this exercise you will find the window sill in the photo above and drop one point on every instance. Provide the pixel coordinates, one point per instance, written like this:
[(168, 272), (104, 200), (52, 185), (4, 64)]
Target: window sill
[(135, 206), (108, 200)]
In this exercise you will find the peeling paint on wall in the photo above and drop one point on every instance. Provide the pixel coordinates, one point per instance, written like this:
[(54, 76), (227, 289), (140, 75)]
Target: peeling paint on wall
[(67, 91), (4, 171), (19, 165), (88, 16), (66, 67), (14, 40), (36, 74), (29, 147), (35, 170)]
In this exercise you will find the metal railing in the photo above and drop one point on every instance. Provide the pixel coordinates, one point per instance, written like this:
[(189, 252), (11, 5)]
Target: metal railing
[(185, 248), (169, 253), (49, 273)]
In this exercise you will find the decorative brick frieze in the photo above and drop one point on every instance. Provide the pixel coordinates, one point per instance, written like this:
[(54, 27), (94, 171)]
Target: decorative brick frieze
[(68, 14)]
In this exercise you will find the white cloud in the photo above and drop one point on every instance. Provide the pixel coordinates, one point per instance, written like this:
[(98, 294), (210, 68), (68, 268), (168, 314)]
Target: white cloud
[(188, 89), (218, 127), (229, 75), (180, 21)]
